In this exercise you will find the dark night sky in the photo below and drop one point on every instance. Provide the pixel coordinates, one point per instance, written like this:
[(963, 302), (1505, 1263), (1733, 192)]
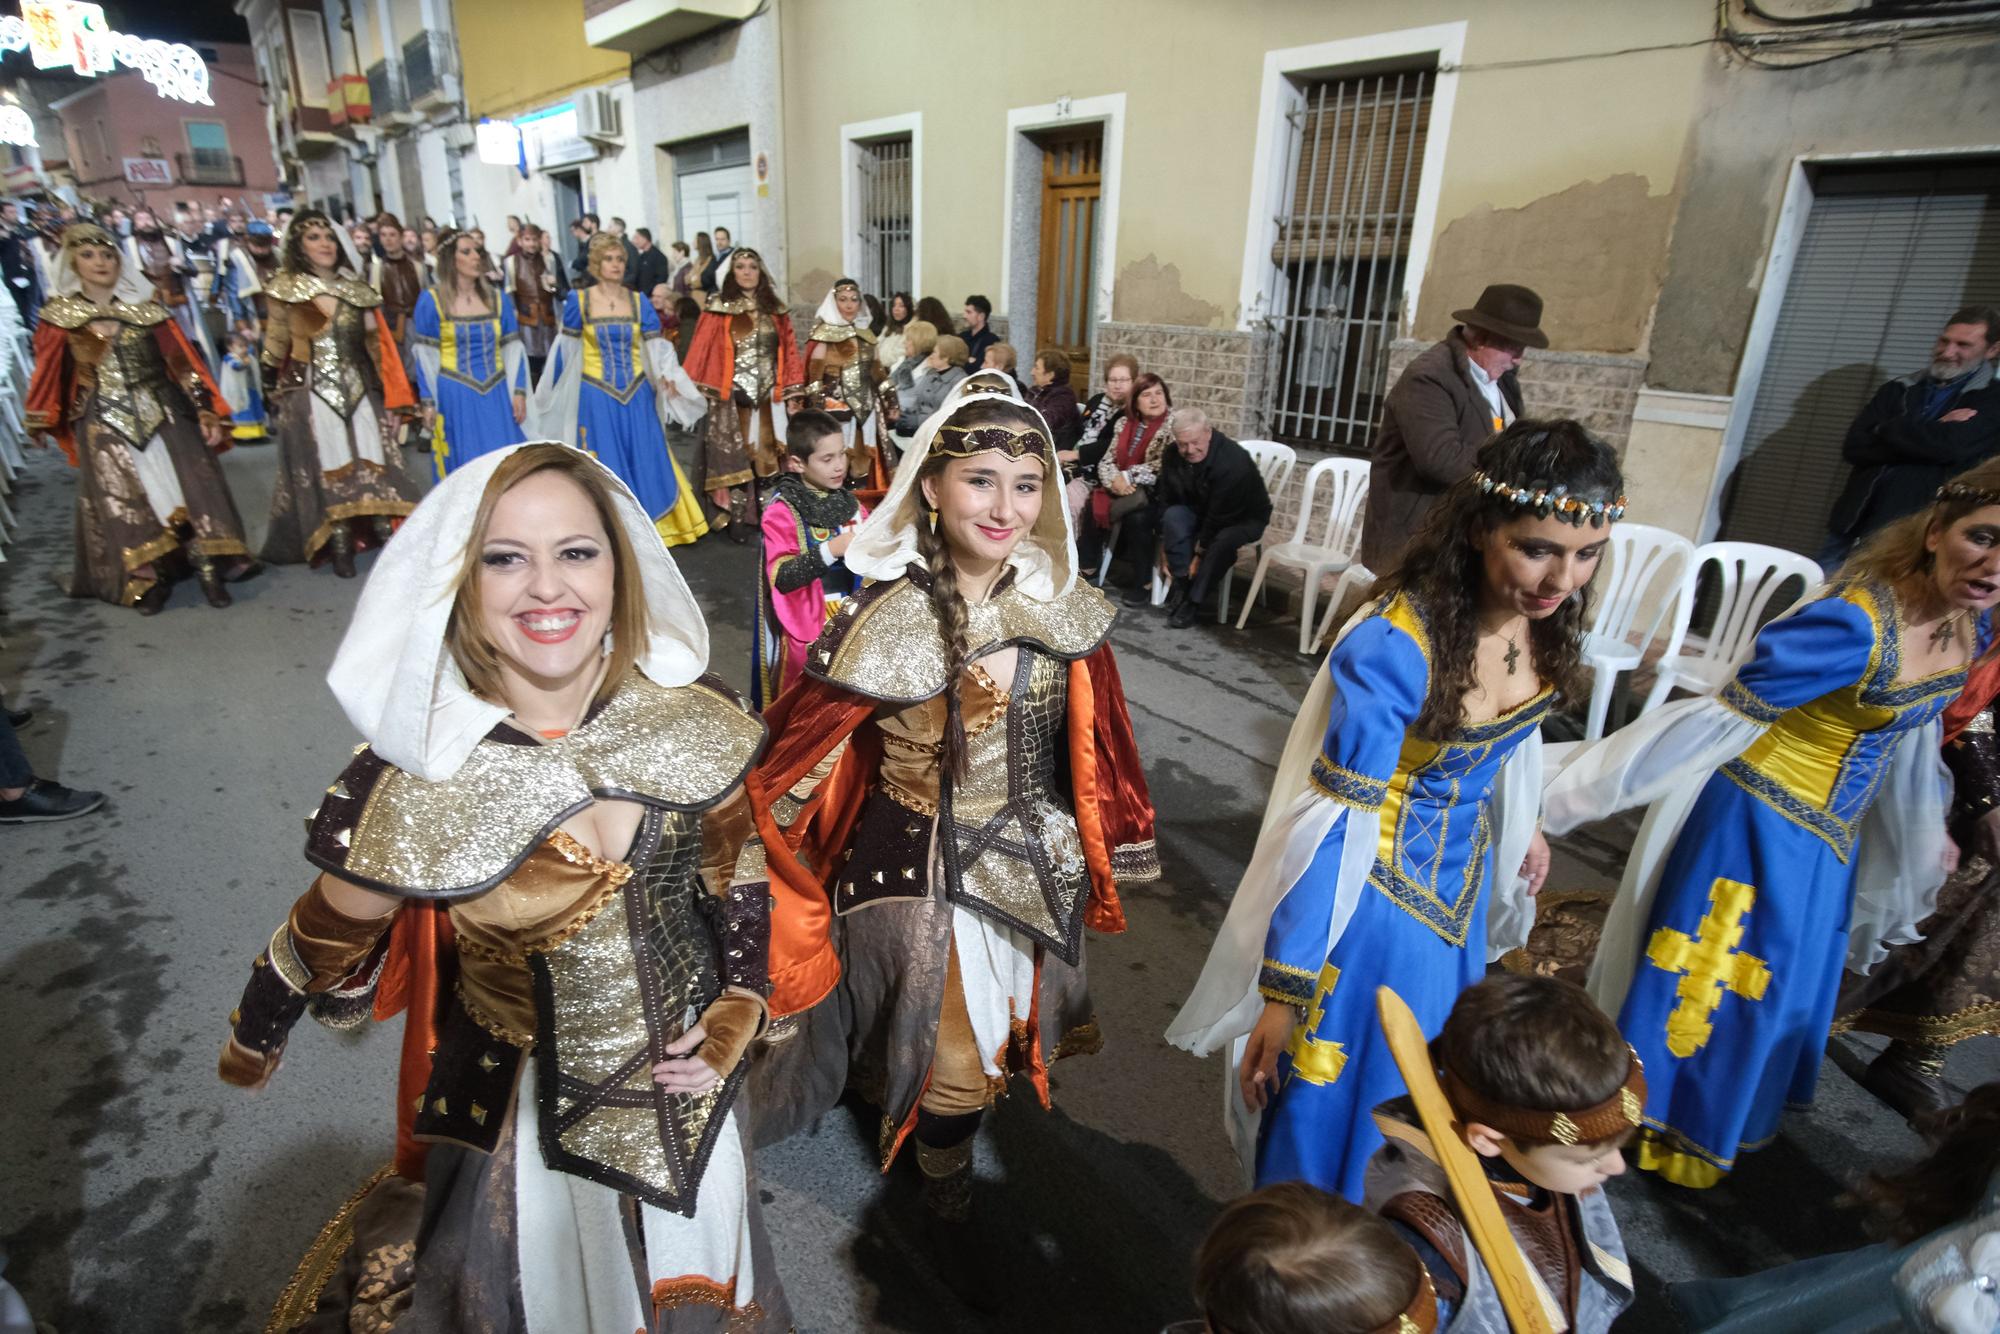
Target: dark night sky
[(191, 21)]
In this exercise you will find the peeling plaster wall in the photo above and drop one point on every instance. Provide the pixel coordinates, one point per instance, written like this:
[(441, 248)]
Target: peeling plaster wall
[(1594, 252), (1752, 123)]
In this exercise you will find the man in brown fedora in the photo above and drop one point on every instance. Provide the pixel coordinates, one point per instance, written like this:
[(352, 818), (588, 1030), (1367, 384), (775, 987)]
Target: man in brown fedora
[(1446, 404)]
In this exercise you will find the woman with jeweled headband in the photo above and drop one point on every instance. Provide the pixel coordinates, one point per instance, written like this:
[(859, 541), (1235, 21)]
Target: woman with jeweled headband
[(952, 795), (1400, 842), (746, 361), (841, 378), (335, 380), (534, 856), (130, 402), (1797, 827)]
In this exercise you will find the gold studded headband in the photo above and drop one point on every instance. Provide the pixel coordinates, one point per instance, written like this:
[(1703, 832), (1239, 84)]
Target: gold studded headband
[(1421, 1315), (1961, 491), (1015, 442), (86, 233), (1527, 1126), (1556, 501)]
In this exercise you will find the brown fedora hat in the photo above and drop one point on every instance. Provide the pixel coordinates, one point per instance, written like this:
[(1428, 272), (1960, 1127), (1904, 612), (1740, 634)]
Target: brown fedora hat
[(1508, 310)]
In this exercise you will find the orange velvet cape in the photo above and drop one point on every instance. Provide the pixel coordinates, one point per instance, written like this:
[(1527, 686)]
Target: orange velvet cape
[(711, 358), (53, 385)]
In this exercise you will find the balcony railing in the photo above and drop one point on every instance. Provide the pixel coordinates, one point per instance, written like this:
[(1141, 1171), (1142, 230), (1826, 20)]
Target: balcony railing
[(427, 67), (208, 167), (385, 89)]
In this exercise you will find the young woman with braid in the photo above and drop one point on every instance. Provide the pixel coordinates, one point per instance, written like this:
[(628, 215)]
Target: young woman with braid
[(952, 795), (1400, 842)]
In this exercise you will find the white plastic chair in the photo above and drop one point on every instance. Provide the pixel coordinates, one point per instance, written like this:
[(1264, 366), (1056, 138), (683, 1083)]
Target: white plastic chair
[(1641, 558), (1354, 576), (1104, 565), (1329, 529), (1750, 577), (1275, 463)]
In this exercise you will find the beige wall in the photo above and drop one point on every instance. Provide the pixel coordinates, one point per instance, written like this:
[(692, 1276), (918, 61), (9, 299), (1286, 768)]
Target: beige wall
[(521, 54), (1561, 175)]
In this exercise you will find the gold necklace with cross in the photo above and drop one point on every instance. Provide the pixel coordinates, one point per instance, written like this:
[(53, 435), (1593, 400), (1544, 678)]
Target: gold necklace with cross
[(1710, 964)]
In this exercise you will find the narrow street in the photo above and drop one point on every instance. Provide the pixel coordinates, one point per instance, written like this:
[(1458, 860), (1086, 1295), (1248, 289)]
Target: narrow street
[(138, 1192)]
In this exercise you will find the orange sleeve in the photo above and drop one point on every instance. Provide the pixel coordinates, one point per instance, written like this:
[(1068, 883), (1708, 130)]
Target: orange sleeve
[(1103, 912), (808, 722), (791, 371), (395, 384), (182, 362), (49, 388), (711, 358), (416, 974)]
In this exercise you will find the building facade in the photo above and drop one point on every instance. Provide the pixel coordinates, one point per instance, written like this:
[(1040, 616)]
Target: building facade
[(124, 142)]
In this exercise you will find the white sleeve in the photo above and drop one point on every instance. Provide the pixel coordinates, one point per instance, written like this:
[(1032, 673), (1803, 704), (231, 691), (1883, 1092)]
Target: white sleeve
[(1517, 809), (429, 363), (685, 403), (1899, 858), (1645, 760), (552, 408), (514, 362)]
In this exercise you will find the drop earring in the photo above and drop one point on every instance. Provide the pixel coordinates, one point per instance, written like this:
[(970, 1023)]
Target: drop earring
[(608, 641), (931, 516)]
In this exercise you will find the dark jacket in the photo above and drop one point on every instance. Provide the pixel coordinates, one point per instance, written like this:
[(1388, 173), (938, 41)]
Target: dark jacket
[(927, 397), (651, 271), (1057, 404), (1433, 424), (976, 345), (631, 262), (714, 266), (1225, 488), (1901, 455)]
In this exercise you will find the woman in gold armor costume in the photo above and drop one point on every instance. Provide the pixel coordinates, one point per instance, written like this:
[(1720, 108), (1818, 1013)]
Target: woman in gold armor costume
[(535, 852), (842, 376), (744, 355), (333, 377), (133, 407), (952, 796)]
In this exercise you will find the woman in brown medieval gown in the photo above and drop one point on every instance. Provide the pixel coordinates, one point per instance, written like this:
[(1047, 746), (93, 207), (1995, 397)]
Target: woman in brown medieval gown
[(744, 355)]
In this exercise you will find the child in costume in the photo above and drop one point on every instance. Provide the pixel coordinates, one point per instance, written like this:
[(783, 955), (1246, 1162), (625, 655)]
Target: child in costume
[(240, 389), (1546, 1092), (807, 526), (1293, 1257), (1400, 843)]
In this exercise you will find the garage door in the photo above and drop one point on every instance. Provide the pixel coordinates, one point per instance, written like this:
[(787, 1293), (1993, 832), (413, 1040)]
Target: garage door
[(1886, 256)]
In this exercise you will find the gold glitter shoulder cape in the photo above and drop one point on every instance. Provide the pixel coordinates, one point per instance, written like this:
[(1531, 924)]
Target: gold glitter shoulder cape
[(298, 288), (884, 643), (680, 748), (69, 311), (824, 332)]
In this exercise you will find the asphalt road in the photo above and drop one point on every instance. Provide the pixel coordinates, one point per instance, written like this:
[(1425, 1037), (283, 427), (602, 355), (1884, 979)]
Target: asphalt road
[(139, 1193)]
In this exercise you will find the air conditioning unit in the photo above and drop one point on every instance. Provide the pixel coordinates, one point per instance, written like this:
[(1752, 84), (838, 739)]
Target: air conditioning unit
[(459, 136), (597, 117)]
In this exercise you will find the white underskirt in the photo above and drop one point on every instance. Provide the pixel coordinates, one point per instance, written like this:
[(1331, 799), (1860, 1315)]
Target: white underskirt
[(157, 478), (342, 440), (996, 970), (576, 1271)]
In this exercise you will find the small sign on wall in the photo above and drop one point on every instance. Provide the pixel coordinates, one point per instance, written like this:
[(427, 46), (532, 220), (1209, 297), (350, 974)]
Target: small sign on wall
[(148, 171)]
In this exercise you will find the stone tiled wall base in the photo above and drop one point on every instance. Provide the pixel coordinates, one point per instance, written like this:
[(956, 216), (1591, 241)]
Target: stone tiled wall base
[(1217, 370)]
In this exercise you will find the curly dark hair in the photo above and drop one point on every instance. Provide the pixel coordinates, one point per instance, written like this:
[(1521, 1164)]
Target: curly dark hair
[(1443, 570), (765, 294), (294, 259)]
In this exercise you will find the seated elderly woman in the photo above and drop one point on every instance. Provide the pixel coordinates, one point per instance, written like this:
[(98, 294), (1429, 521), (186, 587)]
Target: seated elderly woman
[(943, 368)]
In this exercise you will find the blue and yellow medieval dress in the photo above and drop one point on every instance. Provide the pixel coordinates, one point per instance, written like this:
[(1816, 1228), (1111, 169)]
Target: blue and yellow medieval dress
[(469, 367), (1385, 858), (1796, 825), (610, 386)]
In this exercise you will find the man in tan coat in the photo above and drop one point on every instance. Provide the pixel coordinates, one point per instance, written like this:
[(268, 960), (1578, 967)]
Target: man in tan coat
[(1448, 402)]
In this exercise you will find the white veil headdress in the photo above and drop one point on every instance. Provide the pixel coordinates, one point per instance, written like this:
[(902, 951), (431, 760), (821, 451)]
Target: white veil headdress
[(829, 309), (131, 288), (398, 681), (885, 546)]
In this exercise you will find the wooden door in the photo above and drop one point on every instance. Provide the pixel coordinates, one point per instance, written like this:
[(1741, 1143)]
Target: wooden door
[(1066, 299)]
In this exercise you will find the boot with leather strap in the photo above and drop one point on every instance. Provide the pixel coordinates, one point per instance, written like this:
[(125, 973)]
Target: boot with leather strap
[(341, 543), (1910, 1079), (210, 577)]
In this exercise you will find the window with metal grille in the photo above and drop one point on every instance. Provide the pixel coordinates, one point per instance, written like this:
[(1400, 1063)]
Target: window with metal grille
[(885, 215), (1356, 150)]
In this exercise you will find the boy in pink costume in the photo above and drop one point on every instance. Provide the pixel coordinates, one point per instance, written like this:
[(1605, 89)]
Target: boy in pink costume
[(808, 522)]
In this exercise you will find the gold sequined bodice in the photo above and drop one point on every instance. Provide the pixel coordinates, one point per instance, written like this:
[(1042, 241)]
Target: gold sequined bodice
[(338, 353), (852, 362), (756, 339), (131, 383), (1013, 852)]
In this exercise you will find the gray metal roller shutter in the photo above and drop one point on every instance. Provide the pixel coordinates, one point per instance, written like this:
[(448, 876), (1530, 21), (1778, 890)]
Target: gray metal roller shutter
[(1886, 256)]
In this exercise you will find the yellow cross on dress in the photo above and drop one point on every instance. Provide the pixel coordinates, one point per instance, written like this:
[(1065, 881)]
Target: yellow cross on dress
[(1317, 1060), (1711, 965)]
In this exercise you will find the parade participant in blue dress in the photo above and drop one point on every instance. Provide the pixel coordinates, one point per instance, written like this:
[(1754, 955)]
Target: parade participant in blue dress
[(1797, 825), (472, 372), (238, 377), (1400, 843), (593, 392)]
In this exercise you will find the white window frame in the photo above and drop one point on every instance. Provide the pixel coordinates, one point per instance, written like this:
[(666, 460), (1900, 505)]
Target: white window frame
[(1787, 233), (1280, 95), (854, 139), (1107, 109)]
